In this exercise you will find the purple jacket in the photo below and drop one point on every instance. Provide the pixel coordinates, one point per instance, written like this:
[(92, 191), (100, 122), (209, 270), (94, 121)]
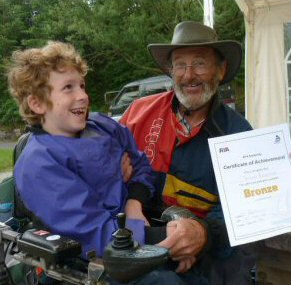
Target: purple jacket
[(75, 185)]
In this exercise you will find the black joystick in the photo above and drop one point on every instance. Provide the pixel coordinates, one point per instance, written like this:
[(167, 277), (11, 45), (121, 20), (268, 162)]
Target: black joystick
[(125, 260), (123, 236)]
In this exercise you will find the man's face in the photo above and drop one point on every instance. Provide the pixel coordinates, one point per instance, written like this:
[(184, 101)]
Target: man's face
[(196, 74), (67, 116)]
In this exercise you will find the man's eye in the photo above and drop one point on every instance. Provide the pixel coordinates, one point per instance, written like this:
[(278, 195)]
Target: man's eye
[(179, 66), (199, 63)]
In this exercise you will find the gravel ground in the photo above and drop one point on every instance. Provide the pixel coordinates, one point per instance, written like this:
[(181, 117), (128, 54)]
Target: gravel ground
[(5, 174), (7, 144)]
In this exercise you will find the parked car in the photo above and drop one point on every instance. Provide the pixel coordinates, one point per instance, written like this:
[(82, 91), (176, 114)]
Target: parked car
[(134, 90), (149, 86), (226, 94)]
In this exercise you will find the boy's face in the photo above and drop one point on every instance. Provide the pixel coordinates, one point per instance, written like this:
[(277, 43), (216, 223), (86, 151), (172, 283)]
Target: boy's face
[(67, 116)]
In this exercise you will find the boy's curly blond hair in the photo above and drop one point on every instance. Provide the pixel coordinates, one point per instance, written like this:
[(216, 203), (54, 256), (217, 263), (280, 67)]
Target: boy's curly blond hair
[(29, 71)]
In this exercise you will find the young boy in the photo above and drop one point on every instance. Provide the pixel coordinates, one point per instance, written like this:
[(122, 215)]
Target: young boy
[(70, 174)]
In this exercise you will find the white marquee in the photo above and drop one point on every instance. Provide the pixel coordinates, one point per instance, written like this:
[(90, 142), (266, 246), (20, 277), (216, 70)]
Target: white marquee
[(267, 61)]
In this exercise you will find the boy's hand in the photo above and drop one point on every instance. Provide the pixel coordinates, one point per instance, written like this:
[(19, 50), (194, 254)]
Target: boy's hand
[(133, 210), (126, 167)]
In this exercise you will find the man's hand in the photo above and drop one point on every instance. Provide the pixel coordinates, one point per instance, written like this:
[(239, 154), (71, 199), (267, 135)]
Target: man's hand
[(185, 263), (133, 210), (185, 239), (126, 167)]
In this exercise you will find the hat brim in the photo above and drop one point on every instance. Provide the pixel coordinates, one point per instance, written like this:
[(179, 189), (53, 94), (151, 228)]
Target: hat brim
[(230, 50)]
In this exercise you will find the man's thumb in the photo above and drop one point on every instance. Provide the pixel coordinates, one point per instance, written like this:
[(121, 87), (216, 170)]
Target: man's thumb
[(168, 242)]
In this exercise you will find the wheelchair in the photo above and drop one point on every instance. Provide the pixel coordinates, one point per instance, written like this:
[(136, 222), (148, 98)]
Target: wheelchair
[(31, 255), (35, 259)]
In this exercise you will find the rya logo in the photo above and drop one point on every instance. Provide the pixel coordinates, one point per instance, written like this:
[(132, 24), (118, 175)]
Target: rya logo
[(223, 149), (277, 139)]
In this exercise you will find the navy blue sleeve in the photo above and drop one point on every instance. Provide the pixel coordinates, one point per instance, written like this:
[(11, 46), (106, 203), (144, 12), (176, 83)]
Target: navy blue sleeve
[(218, 242), (219, 245)]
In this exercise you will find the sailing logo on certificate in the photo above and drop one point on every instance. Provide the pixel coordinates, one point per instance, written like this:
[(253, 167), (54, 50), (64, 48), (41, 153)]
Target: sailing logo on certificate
[(253, 175)]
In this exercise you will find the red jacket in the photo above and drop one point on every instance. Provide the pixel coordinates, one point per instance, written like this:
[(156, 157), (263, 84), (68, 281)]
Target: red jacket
[(161, 129)]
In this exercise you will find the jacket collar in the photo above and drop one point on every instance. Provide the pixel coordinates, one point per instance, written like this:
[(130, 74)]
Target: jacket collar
[(37, 130), (211, 125)]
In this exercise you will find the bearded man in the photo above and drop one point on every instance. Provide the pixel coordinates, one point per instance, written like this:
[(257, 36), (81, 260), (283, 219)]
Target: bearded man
[(172, 128)]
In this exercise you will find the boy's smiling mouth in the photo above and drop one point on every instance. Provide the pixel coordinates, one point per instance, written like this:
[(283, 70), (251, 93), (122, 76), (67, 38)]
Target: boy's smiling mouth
[(79, 111)]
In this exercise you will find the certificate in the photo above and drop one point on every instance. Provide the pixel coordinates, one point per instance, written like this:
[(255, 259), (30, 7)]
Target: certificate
[(253, 175)]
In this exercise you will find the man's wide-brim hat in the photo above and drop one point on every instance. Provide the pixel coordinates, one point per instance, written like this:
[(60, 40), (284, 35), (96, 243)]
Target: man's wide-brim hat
[(192, 34)]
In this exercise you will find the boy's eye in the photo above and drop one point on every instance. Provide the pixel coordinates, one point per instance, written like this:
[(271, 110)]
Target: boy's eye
[(83, 86), (68, 87)]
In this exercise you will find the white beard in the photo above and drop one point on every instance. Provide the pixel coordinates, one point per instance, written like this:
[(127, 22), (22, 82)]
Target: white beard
[(191, 102)]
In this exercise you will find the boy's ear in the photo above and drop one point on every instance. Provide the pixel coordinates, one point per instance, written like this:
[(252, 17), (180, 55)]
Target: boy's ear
[(36, 105)]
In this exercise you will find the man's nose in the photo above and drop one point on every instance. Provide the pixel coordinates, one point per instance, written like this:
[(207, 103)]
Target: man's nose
[(189, 72)]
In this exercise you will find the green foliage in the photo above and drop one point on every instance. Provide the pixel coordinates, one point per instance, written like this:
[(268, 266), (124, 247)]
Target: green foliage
[(9, 114), (111, 34), (6, 159), (230, 26)]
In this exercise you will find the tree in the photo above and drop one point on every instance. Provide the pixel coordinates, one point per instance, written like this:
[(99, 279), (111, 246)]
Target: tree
[(111, 34), (230, 25), (14, 24)]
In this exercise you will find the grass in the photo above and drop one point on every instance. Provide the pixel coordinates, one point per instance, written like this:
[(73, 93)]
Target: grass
[(5, 159)]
